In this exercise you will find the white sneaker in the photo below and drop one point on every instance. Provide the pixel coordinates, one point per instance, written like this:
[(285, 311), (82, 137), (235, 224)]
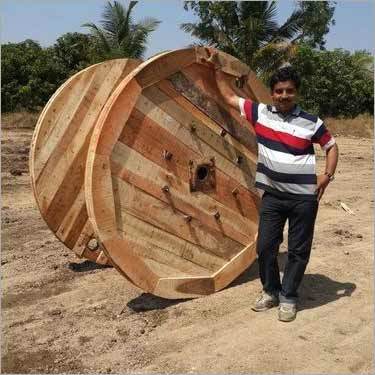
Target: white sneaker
[(287, 311), (265, 302)]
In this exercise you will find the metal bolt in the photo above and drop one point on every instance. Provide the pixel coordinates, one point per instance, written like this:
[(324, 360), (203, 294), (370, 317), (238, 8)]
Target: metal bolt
[(240, 82), (239, 159), (93, 244), (217, 215), (235, 191), (223, 132), (167, 155), (165, 188), (193, 127), (187, 218)]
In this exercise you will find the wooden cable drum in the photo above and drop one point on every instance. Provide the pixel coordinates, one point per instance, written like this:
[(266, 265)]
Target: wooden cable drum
[(170, 176), (59, 149)]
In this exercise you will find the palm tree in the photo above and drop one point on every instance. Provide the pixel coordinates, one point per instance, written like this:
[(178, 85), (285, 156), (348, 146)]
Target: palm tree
[(249, 30), (119, 35)]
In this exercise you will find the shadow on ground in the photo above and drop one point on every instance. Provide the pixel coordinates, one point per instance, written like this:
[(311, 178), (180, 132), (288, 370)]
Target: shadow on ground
[(147, 302), (86, 266)]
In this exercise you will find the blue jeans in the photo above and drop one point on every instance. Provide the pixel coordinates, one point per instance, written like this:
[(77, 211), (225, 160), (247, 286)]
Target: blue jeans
[(301, 215)]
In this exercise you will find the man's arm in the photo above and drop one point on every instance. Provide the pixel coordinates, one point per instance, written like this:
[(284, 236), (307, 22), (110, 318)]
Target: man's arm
[(332, 157)]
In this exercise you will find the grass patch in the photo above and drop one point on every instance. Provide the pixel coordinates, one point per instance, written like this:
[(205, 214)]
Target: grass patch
[(19, 120), (361, 126)]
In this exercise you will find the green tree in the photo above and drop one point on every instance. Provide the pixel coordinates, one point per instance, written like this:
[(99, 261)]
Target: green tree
[(74, 51), (249, 31), (120, 36), (335, 83), (30, 75)]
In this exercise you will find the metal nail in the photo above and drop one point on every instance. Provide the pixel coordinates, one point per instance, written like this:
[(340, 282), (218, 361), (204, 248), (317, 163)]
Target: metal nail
[(223, 133), (187, 218), (167, 155), (239, 159), (217, 215), (235, 191), (165, 188)]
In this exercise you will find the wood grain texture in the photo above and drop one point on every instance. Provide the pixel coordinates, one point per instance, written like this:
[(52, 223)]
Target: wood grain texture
[(164, 119), (59, 150)]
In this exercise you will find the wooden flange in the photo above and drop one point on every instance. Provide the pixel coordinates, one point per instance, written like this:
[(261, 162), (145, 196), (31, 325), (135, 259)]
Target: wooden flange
[(59, 149), (165, 126)]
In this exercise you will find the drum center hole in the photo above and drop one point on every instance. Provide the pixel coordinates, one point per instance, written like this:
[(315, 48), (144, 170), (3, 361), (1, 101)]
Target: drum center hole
[(202, 172)]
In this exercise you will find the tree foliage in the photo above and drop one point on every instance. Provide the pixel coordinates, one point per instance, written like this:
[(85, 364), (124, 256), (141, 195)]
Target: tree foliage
[(120, 36), (249, 30), (29, 74), (335, 83)]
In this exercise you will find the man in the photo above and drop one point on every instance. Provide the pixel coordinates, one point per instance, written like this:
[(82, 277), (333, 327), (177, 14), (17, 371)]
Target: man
[(286, 172)]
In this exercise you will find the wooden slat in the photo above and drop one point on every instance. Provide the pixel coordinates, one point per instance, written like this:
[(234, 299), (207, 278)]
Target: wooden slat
[(140, 165), (163, 247), (115, 112), (235, 267), (169, 124), (53, 125), (184, 287), (77, 132), (167, 98), (149, 139), (136, 269), (199, 117), (98, 183), (164, 65), (74, 221), (191, 84), (185, 206), (165, 217)]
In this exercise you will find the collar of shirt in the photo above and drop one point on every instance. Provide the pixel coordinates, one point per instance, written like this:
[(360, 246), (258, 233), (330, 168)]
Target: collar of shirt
[(296, 111)]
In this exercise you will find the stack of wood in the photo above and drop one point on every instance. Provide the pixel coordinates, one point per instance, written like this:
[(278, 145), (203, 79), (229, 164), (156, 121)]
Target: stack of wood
[(143, 166)]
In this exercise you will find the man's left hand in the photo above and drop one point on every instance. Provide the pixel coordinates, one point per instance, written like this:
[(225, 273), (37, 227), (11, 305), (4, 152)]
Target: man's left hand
[(321, 184)]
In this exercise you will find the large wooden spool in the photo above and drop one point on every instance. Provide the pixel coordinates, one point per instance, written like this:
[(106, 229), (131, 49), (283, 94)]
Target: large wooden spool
[(59, 149), (170, 176)]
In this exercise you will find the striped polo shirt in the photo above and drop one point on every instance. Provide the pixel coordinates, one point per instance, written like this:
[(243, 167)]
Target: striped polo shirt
[(286, 158)]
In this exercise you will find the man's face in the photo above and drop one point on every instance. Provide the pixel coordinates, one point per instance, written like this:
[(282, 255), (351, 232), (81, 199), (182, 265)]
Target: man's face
[(284, 95)]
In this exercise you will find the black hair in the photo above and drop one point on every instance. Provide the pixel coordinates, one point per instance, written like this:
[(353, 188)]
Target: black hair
[(286, 73)]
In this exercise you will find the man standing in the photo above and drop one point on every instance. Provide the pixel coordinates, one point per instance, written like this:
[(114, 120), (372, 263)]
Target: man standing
[(286, 172)]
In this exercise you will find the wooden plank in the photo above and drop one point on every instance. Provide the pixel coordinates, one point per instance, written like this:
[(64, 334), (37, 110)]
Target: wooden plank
[(234, 67), (201, 91), (149, 139), (132, 266), (115, 112), (166, 249), (228, 63), (165, 217), (203, 119), (162, 66), (235, 267), (57, 118), (74, 221), (185, 206), (166, 97), (98, 183), (137, 164), (77, 129), (184, 287), (169, 124)]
